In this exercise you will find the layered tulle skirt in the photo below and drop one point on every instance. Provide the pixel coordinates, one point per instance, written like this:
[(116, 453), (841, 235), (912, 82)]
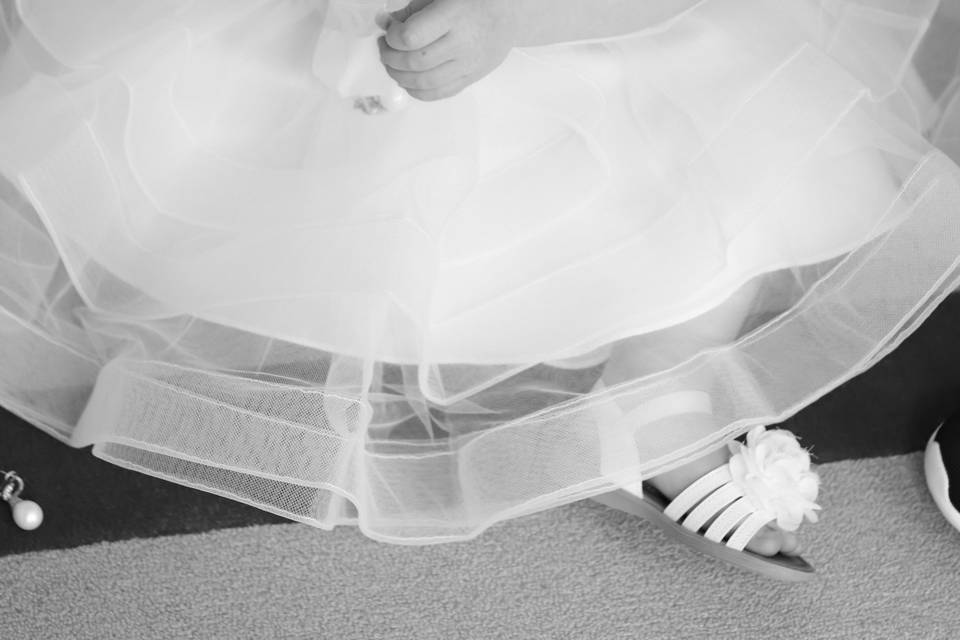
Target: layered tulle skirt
[(216, 269)]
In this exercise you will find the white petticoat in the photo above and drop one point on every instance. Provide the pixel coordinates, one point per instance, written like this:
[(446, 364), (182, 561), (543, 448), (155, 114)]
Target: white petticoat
[(218, 270)]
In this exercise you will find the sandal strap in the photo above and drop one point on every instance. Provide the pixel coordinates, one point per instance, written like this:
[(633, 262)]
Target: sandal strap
[(749, 528), (734, 514), (741, 517), (668, 405), (711, 506), (696, 492)]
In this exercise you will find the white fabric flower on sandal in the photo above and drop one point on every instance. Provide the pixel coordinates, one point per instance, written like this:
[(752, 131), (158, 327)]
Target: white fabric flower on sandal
[(773, 471)]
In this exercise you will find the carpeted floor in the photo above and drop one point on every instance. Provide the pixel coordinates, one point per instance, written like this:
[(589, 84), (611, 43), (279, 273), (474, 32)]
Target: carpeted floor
[(889, 568)]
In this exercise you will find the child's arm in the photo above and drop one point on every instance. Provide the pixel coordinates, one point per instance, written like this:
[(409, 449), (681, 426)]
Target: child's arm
[(436, 48)]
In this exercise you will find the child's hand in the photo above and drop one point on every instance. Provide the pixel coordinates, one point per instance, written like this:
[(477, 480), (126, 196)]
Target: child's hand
[(436, 48)]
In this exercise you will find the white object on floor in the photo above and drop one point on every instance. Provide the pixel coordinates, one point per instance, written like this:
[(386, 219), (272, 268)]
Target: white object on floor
[(938, 481)]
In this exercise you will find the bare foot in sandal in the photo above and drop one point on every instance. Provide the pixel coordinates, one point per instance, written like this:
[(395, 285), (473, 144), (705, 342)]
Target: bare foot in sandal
[(751, 498), (770, 541)]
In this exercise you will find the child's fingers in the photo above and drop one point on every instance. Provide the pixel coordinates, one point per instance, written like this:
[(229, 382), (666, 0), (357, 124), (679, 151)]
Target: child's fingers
[(445, 74), (430, 57), (421, 29), (447, 91), (415, 33)]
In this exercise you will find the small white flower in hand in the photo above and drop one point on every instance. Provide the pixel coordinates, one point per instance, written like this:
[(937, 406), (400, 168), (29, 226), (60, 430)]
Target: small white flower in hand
[(436, 48), (773, 471)]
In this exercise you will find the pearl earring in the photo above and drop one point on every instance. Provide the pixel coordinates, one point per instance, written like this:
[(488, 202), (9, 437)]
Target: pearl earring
[(26, 513)]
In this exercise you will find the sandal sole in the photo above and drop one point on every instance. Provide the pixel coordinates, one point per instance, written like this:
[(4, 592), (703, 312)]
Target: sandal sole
[(780, 567)]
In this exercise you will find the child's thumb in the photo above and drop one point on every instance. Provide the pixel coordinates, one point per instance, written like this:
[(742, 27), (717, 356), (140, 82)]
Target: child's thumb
[(413, 7)]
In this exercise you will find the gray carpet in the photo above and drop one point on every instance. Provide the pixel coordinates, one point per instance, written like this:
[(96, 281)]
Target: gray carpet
[(889, 568)]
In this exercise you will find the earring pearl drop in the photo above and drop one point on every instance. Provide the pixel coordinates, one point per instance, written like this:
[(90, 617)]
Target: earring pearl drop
[(27, 514)]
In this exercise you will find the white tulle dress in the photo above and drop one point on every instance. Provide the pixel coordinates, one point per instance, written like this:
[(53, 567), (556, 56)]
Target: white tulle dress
[(216, 268)]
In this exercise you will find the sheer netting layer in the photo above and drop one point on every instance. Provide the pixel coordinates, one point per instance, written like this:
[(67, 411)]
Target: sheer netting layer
[(215, 269)]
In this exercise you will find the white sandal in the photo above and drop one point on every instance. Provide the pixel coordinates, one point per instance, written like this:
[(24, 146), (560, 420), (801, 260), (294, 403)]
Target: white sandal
[(738, 501), (939, 465)]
